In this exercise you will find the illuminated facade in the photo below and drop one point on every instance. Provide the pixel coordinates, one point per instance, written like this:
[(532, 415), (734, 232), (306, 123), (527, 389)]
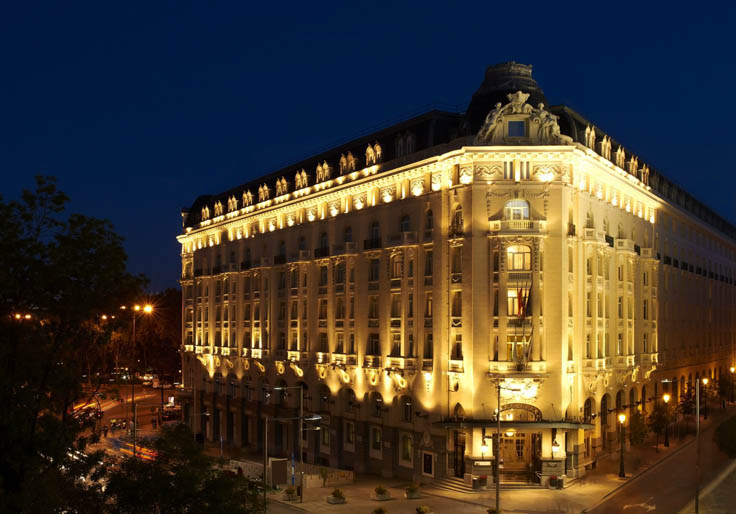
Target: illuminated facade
[(403, 277)]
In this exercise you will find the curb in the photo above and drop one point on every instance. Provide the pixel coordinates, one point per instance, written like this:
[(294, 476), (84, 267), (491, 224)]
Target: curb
[(286, 504), (638, 475), (690, 507)]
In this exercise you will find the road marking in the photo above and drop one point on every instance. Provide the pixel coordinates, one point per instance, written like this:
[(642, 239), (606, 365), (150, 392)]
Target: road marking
[(645, 506)]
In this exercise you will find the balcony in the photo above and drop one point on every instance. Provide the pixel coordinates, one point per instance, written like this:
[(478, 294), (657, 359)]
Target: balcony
[(625, 245), (402, 239), (517, 226), (427, 364), (372, 361), (593, 235), (266, 262), (647, 359), (456, 364), (520, 276), (402, 362), (188, 347), (594, 364)]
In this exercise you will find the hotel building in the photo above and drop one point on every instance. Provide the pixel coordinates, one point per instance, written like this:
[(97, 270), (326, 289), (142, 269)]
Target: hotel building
[(409, 279)]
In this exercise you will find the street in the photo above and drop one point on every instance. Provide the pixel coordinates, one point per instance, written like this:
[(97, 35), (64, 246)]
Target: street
[(669, 486)]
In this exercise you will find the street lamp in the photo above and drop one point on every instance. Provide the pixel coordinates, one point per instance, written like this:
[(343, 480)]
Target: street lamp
[(483, 449), (697, 442), (732, 369), (666, 398), (147, 309), (705, 398), (621, 421)]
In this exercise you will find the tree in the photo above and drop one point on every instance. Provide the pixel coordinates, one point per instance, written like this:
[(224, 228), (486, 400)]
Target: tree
[(687, 405), (659, 419), (58, 273), (725, 437), (159, 336), (181, 479), (637, 428)]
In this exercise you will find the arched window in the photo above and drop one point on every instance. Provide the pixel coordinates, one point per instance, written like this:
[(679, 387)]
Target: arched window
[(516, 210), (375, 231), (429, 220), (323, 240), (588, 410), (347, 236), (404, 223), (459, 412), (519, 258)]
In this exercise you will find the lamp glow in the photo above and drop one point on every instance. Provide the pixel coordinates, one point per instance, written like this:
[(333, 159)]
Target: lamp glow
[(622, 418), (666, 398)]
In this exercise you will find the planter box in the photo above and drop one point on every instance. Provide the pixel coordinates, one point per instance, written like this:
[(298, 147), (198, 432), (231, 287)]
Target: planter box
[(334, 501), (291, 497), (382, 497), (412, 495)]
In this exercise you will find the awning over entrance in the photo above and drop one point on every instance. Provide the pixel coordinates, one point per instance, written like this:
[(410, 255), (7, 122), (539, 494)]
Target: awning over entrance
[(516, 425)]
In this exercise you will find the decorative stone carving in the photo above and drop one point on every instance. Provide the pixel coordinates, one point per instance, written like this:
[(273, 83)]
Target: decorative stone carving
[(282, 187), (205, 213), (417, 186), (263, 193), (590, 137), (247, 198), (604, 147), (334, 208), (437, 181), (218, 208), (232, 204), (387, 194), (488, 171), (466, 175), (542, 126), (359, 201), (311, 214)]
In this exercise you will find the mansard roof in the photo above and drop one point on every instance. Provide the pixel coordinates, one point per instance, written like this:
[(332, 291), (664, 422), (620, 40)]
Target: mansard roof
[(438, 131)]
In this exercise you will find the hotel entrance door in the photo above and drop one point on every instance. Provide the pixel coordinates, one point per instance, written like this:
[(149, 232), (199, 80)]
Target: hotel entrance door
[(459, 440), (521, 456)]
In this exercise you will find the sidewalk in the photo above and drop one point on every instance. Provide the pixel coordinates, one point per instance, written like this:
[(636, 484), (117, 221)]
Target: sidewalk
[(583, 495)]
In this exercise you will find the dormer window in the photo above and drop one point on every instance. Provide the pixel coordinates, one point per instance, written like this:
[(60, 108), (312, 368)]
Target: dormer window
[(517, 129)]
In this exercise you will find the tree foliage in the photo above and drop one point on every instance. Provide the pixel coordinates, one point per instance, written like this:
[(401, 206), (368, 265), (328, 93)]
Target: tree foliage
[(637, 428), (61, 270), (181, 479), (725, 437), (660, 417)]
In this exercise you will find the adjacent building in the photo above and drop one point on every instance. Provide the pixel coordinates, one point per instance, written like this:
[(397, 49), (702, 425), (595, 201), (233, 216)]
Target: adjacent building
[(409, 279)]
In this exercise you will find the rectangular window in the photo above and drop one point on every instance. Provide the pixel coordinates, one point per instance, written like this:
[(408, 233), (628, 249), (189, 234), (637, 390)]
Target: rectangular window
[(587, 346), (395, 344), (457, 348), (457, 304), (374, 346), (373, 307), (323, 345), (517, 129), (620, 306), (376, 443), (428, 305), (428, 346), (323, 308), (323, 275), (349, 432), (645, 342), (645, 309), (373, 270), (587, 304), (395, 305), (428, 263), (620, 344), (340, 345), (339, 307)]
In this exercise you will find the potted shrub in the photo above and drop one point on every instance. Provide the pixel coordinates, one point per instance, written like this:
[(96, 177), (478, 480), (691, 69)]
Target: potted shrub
[(382, 493), (412, 492), (492, 510), (323, 476), (424, 509), (337, 496), (379, 510), (290, 494)]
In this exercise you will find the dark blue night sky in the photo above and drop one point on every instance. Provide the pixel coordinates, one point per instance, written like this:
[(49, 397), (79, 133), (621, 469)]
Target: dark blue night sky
[(140, 108)]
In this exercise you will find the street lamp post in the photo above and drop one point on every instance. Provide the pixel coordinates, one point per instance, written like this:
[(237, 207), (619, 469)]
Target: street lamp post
[(146, 309), (622, 429), (498, 443), (666, 398), (697, 443), (705, 398), (732, 369)]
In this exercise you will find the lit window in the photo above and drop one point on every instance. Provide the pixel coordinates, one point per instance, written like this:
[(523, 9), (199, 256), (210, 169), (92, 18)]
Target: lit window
[(519, 258), (516, 210)]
